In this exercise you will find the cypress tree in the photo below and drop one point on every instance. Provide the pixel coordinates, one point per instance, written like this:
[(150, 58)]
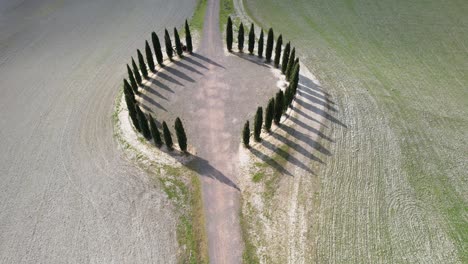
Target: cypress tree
[(157, 48), (246, 134), (251, 39), (143, 123), (136, 73), (128, 90), (167, 136), (188, 38), (132, 80), (295, 78), (292, 73), (229, 34), (142, 63), (288, 95), (260, 44), (269, 113), (279, 45), (155, 132), (269, 45), (286, 53), (177, 43), (130, 100), (291, 60), (149, 57), (278, 107), (168, 42), (181, 137), (258, 124), (240, 37)]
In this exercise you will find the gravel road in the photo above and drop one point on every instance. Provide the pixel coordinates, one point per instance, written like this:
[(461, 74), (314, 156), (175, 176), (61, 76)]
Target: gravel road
[(68, 195)]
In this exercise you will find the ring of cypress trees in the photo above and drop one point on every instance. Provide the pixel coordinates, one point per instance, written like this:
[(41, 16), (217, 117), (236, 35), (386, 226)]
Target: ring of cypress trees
[(240, 37), (181, 136), (136, 73), (246, 134), (132, 80), (157, 48), (167, 136), (168, 42), (286, 53), (149, 57), (258, 124), (229, 34), (260, 45), (188, 37), (279, 46), (269, 45), (251, 39), (177, 43)]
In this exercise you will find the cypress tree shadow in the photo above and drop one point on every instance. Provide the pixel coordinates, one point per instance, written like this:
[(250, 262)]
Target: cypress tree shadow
[(308, 128), (309, 91), (298, 148), (250, 58), (169, 78), (314, 109), (179, 74), (196, 55), (303, 138), (157, 83), (194, 62), (287, 156), (302, 113), (204, 168), (187, 67), (314, 99), (312, 86), (152, 101), (152, 91), (270, 161)]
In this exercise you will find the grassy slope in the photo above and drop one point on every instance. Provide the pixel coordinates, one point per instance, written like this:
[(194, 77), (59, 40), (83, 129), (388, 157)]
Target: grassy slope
[(395, 188)]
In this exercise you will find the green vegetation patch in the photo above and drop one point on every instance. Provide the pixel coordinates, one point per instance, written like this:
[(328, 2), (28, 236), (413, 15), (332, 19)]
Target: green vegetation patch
[(198, 18)]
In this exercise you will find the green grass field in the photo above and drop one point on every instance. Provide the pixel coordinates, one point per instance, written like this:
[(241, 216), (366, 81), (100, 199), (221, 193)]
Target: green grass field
[(395, 189)]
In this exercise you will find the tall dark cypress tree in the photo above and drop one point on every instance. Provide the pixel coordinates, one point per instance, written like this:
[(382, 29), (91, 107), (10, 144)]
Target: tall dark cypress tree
[(188, 38), (142, 63), (269, 45), (240, 37), (143, 123), (295, 78), (168, 42), (132, 80), (260, 44), (246, 134), (177, 43), (130, 100), (288, 96), (155, 132), (291, 60), (181, 136), (229, 34), (291, 73), (278, 107), (167, 136), (149, 58), (258, 124), (269, 114), (251, 39), (286, 53), (157, 48), (136, 73), (279, 46), (128, 90)]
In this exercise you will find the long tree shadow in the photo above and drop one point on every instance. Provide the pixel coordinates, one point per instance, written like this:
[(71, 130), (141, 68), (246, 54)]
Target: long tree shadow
[(249, 58), (179, 74), (312, 85), (300, 149), (309, 128), (153, 91), (315, 100), (318, 111), (196, 63), (201, 57), (152, 101), (158, 83), (287, 156), (205, 169), (312, 92), (168, 78), (187, 67), (274, 164), (301, 137), (302, 113)]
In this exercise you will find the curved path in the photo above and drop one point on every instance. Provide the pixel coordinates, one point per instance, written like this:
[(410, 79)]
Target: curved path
[(67, 194)]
